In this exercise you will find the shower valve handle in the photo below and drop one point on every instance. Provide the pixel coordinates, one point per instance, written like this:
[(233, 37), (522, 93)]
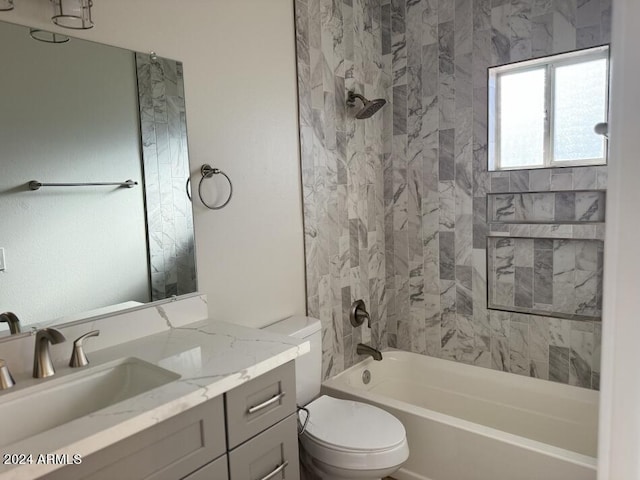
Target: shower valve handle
[(359, 314)]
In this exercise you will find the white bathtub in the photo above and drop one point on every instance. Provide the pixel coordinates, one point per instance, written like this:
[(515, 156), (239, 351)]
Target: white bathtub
[(470, 423)]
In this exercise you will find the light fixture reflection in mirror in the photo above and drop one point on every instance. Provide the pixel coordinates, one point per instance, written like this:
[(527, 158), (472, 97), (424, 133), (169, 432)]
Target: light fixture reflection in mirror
[(6, 5), (75, 14), (48, 37)]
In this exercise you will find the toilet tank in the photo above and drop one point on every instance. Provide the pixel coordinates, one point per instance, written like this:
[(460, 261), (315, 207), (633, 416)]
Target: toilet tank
[(309, 365)]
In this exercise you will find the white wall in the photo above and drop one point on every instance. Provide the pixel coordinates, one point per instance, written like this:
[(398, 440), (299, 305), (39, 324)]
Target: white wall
[(69, 249), (619, 449), (240, 87)]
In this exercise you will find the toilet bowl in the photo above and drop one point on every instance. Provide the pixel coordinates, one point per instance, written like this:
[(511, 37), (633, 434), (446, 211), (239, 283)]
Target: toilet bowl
[(342, 439), (346, 439)]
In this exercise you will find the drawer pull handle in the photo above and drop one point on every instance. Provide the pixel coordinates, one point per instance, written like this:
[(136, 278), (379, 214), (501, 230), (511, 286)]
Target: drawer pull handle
[(266, 403), (276, 471)]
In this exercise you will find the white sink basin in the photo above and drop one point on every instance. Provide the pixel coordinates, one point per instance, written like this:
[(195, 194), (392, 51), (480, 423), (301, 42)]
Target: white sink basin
[(51, 403)]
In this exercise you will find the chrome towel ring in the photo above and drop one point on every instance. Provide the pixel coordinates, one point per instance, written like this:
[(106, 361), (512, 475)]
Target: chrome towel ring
[(207, 171)]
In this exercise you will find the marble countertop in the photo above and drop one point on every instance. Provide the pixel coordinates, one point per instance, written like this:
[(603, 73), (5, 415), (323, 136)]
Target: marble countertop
[(211, 358)]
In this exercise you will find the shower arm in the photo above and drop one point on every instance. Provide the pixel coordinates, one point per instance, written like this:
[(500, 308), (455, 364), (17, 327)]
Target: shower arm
[(351, 98)]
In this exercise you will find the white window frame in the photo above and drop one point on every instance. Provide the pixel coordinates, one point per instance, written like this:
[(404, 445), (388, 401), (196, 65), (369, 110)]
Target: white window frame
[(549, 63)]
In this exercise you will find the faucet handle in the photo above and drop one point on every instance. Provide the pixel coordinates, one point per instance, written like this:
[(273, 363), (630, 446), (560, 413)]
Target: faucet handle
[(359, 314), (6, 380), (78, 357)]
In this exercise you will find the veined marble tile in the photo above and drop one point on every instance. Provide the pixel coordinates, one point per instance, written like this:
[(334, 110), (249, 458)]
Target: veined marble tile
[(446, 154), (447, 255), (500, 34), (605, 21), (587, 37), (539, 338), (481, 58), (500, 356), (430, 22), (481, 15), (597, 342), (524, 252), (521, 30), (464, 232), (449, 339), (564, 38), (581, 358), (463, 26), (519, 181), (413, 31), (540, 7), (559, 364), (523, 287), (464, 296), (499, 182), (447, 192), (518, 348), (445, 11), (539, 369), (542, 34), (585, 178), (540, 180), (543, 207), (559, 332), (589, 206), (565, 206), (479, 280)]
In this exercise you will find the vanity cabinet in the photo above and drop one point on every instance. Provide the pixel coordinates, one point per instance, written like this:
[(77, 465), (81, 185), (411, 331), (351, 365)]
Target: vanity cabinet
[(171, 449), (216, 470), (249, 433), (271, 455), (256, 405)]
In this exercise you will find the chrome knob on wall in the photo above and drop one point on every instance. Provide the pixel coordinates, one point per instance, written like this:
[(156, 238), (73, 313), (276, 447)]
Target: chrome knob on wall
[(359, 313)]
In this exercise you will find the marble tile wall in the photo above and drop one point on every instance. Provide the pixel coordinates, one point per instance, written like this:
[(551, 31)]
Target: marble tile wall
[(426, 172), (166, 169), (547, 207), (558, 277), (339, 48)]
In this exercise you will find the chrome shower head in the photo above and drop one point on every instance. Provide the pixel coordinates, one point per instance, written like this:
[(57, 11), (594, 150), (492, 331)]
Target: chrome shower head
[(369, 107)]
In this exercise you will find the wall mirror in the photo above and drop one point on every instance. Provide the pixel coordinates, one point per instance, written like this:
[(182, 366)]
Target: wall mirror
[(74, 111), (543, 112)]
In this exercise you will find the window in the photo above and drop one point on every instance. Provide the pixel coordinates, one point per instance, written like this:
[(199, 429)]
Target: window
[(542, 112)]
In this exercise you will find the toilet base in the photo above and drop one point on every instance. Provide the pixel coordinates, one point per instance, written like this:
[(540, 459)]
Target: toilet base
[(312, 469)]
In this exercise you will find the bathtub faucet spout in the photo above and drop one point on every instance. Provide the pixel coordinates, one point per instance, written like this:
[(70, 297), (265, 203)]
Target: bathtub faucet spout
[(363, 349)]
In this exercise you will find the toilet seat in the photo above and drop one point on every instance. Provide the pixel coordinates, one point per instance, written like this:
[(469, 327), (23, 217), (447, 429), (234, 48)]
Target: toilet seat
[(354, 435)]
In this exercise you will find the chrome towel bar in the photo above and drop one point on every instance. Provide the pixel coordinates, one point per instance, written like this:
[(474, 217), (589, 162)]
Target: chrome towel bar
[(35, 185)]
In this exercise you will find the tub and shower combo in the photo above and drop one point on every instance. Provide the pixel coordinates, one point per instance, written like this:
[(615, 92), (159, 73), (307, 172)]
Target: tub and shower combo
[(470, 423)]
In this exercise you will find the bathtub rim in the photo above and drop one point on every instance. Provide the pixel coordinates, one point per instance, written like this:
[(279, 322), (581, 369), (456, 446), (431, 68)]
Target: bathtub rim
[(334, 384)]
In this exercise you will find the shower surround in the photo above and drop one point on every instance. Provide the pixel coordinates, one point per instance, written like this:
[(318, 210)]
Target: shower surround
[(395, 206)]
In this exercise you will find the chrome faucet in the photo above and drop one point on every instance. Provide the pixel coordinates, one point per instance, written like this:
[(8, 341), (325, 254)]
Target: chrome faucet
[(363, 349), (42, 365), (13, 321)]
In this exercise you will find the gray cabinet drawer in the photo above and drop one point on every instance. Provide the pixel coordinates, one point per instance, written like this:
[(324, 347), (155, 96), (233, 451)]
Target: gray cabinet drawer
[(272, 455), (167, 451), (216, 470), (259, 403)]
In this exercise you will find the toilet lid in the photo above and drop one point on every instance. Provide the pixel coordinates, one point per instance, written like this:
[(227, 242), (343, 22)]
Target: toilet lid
[(352, 426)]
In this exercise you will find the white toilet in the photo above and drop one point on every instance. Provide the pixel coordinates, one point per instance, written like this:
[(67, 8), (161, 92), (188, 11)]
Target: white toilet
[(343, 439)]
